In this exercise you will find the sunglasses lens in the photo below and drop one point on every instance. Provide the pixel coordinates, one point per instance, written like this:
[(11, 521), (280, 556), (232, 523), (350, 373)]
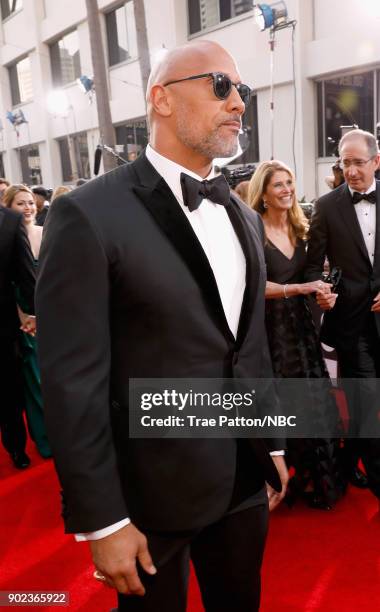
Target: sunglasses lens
[(222, 86), (245, 93)]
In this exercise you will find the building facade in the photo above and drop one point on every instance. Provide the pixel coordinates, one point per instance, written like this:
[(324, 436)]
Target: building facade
[(326, 75)]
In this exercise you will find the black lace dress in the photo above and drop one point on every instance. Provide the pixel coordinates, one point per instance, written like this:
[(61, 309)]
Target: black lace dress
[(296, 353)]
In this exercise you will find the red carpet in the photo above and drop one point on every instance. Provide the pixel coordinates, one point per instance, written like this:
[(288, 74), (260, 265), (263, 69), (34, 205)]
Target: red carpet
[(315, 561)]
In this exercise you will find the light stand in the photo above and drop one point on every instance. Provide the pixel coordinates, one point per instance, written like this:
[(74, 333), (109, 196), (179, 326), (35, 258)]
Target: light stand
[(273, 17)]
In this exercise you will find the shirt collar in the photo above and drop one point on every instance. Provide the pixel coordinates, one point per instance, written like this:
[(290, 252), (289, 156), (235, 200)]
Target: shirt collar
[(371, 188), (171, 171)]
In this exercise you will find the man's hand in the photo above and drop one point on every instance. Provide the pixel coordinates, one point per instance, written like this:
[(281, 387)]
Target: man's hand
[(115, 558), (28, 324), (376, 303), (274, 498), (325, 300), (315, 286)]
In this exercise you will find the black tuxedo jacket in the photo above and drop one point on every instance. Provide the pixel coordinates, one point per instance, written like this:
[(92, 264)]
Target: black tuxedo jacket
[(16, 269), (335, 232), (125, 290)]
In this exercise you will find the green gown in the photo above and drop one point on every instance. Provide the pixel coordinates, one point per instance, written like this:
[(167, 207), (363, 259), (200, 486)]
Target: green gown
[(32, 390)]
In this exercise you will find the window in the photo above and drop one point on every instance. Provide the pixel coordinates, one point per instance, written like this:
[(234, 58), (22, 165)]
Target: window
[(74, 157), (20, 76), (207, 13), (133, 136), (65, 59), (10, 6), (251, 137), (345, 100), (121, 34), (31, 165)]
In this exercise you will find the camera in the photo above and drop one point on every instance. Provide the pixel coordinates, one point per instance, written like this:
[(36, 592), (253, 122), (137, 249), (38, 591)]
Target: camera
[(237, 175)]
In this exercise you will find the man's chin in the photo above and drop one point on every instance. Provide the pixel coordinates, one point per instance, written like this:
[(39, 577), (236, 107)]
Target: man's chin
[(225, 153), (357, 186)]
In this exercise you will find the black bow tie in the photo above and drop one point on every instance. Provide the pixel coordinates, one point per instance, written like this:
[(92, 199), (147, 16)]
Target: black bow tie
[(370, 197), (193, 191)]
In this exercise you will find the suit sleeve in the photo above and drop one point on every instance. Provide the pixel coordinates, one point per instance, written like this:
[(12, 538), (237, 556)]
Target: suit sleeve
[(23, 267), (317, 245), (72, 302)]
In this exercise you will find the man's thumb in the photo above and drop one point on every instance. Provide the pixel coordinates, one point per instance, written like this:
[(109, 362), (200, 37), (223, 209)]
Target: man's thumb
[(146, 562)]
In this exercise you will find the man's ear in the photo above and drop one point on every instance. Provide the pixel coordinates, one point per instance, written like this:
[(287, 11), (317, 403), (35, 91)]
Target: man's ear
[(161, 101)]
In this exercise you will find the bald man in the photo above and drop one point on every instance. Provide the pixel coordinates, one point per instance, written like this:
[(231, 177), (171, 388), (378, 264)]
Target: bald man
[(148, 271)]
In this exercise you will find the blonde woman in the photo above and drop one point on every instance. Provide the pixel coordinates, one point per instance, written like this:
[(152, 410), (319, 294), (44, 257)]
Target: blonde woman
[(20, 198), (60, 190), (293, 341)]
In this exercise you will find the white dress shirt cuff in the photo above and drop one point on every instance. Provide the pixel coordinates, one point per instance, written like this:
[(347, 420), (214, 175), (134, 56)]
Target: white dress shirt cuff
[(102, 533), (278, 453)]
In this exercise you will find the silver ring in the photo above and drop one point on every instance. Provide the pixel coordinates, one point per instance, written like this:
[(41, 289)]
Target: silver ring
[(98, 576)]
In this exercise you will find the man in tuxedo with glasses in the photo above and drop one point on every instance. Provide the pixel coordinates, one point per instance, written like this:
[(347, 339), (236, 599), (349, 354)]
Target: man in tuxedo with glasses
[(153, 271), (346, 228)]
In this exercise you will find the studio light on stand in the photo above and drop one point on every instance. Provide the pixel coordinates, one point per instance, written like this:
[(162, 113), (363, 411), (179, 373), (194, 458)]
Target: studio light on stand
[(272, 17), (86, 84), (17, 118)]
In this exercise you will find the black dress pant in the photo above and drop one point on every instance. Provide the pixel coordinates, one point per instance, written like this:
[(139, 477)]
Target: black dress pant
[(13, 433), (226, 555), (360, 369)]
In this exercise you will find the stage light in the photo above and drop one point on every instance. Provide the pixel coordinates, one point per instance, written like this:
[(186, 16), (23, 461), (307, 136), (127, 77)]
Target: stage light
[(58, 103), (273, 15), (16, 118), (85, 83), (373, 8)]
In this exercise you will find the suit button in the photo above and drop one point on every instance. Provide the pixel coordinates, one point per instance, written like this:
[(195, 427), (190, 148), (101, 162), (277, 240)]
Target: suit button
[(115, 405)]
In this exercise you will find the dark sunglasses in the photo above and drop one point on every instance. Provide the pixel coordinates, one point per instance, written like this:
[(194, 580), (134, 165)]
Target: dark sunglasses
[(222, 85)]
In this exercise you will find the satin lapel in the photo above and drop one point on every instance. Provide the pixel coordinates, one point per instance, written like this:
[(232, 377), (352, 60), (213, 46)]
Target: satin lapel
[(159, 200), (376, 263), (349, 217), (245, 237)]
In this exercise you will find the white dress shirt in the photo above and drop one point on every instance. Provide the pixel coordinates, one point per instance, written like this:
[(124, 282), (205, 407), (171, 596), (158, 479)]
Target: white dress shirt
[(366, 214), (214, 231)]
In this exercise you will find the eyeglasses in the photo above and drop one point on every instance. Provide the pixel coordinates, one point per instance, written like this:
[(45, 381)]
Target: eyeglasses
[(222, 85), (357, 163)]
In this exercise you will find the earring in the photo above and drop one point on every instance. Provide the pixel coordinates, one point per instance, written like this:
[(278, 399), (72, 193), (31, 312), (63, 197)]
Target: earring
[(265, 204)]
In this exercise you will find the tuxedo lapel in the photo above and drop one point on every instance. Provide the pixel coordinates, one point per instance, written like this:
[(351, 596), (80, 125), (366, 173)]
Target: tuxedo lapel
[(240, 226), (376, 263), (349, 217), (159, 200), (1, 216)]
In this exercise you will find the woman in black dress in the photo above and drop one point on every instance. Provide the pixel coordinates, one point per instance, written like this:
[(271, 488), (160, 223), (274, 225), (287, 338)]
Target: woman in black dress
[(293, 341)]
